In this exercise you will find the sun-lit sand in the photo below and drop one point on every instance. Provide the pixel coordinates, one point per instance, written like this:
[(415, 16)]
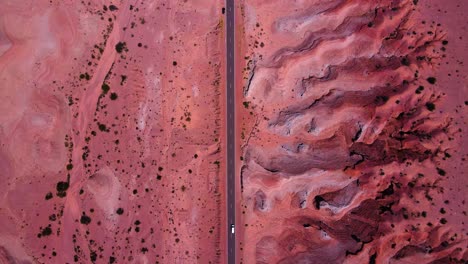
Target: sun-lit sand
[(111, 128), (351, 118)]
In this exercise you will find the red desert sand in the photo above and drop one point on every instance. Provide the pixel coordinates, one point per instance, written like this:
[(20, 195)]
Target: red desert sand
[(110, 131), (353, 131), (351, 118)]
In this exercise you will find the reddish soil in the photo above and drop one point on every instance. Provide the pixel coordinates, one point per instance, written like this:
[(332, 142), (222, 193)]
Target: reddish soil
[(353, 125), (111, 132)]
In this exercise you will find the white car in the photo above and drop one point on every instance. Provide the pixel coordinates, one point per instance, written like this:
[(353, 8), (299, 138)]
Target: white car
[(232, 228)]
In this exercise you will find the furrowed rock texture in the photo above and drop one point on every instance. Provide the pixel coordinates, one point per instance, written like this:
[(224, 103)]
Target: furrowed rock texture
[(352, 129), (110, 131)]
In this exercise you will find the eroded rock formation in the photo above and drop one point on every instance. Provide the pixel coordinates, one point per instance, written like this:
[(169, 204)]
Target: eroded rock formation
[(349, 133)]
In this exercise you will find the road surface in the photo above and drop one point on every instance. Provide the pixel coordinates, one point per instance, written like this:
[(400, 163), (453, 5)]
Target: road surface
[(230, 128)]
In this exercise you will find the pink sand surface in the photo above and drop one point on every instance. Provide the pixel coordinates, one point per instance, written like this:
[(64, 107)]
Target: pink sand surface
[(110, 131), (351, 125)]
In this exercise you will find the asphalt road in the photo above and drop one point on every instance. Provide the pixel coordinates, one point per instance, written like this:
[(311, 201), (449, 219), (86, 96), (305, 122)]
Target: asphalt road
[(231, 147)]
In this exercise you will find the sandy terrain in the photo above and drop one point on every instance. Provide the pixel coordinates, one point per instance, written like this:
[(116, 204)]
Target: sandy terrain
[(352, 126), (110, 131)]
